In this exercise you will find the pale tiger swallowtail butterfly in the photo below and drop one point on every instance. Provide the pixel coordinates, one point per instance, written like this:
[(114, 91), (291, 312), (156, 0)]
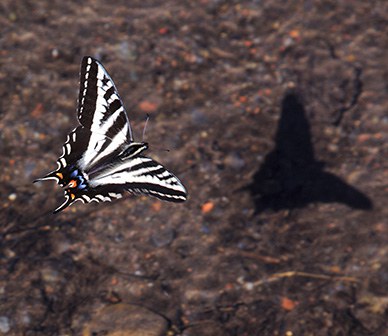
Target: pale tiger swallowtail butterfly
[(100, 159)]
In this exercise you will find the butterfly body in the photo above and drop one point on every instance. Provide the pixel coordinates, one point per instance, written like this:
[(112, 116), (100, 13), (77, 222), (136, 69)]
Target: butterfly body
[(100, 159)]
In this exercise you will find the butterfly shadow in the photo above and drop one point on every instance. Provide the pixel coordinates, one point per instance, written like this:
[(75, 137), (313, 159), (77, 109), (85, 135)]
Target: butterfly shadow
[(291, 177)]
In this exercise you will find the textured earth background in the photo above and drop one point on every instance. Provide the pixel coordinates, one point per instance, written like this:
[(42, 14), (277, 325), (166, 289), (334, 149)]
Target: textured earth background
[(275, 115)]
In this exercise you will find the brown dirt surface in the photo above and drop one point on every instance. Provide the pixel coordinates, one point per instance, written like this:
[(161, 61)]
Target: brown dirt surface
[(275, 115)]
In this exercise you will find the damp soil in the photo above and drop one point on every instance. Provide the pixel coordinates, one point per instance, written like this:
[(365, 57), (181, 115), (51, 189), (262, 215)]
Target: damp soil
[(274, 115)]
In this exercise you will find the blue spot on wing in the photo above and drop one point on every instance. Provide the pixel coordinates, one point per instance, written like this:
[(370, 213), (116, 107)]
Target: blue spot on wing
[(74, 173)]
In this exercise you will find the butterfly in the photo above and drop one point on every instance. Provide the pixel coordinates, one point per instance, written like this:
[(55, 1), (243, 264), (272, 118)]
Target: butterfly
[(100, 159)]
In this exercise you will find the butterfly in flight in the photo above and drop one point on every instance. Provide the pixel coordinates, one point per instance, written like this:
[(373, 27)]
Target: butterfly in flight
[(100, 159)]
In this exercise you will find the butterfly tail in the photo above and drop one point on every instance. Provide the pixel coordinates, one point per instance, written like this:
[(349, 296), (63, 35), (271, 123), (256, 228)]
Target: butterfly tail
[(50, 176), (64, 205)]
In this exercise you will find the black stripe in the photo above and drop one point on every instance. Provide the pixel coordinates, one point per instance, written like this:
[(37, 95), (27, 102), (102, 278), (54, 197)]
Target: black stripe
[(162, 178), (90, 97), (117, 126), (79, 146), (148, 188), (155, 172), (134, 149), (144, 164), (103, 147), (114, 106), (109, 93)]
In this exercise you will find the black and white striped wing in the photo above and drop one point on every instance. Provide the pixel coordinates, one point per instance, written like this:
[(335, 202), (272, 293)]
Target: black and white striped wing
[(101, 111), (100, 160), (141, 175)]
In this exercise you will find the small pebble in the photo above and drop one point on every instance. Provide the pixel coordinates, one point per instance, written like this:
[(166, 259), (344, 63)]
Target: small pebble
[(29, 168), (247, 244), (249, 286), (25, 318), (55, 53), (235, 161), (163, 237), (288, 42), (198, 116), (207, 207), (205, 229), (12, 197), (118, 237), (127, 51), (50, 275), (4, 324)]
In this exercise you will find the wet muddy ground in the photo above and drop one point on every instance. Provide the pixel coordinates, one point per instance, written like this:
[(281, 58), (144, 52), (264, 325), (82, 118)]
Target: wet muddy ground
[(275, 117)]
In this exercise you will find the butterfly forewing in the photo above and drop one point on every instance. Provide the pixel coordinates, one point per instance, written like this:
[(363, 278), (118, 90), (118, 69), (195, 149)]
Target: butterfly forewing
[(100, 160), (100, 109)]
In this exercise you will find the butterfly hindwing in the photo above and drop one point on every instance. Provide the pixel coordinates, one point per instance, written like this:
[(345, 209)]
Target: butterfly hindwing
[(74, 147), (101, 194), (73, 150), (143, 175), (140, 175)]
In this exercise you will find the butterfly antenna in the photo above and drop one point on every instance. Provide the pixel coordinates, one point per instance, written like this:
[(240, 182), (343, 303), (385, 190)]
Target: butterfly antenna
[(144, 130), (145, 126)]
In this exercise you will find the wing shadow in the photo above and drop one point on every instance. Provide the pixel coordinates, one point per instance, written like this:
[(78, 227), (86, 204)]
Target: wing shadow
[(291, 177)]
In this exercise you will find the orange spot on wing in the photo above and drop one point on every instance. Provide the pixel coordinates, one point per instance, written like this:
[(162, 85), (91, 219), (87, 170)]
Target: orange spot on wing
[(60, 175), (73, 183), (72, 196)]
